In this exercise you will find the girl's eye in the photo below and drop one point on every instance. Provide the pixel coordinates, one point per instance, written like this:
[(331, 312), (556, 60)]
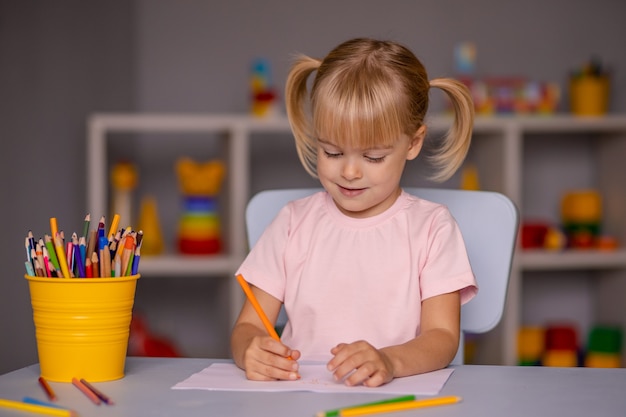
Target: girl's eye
[(332, 154), (375, 159)]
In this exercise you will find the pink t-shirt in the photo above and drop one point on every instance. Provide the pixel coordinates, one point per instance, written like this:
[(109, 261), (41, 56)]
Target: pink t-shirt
[(343, 279)]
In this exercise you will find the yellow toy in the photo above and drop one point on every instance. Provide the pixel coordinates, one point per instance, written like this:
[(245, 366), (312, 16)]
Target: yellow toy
[(152, 243), (123, 181), (199, 226)]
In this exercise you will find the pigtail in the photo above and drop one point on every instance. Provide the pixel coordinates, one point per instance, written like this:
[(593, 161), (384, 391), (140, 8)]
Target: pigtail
[(453, 149), (296, 96)]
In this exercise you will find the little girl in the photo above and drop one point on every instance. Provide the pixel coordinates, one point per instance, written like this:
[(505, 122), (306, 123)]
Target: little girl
[(372, 278)]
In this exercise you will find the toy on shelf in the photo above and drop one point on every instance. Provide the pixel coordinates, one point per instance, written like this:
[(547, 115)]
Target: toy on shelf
[(604, 347), (589, 90), (504, 94), (530, 345), (152, 243), (581, 214), (199, 226), (561, 346), (263, 94), (123, 181)]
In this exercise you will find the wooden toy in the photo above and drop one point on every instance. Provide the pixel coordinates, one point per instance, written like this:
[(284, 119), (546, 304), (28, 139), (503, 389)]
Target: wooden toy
[(199, 226)]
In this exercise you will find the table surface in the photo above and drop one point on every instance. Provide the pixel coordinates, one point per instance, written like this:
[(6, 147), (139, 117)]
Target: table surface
[(486, 391)]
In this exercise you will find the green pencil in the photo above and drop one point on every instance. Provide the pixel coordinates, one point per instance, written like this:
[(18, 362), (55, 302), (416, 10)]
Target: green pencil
[(335, 413)]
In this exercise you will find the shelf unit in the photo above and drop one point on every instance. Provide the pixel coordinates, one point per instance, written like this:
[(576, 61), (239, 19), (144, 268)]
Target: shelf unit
[(498, 150)]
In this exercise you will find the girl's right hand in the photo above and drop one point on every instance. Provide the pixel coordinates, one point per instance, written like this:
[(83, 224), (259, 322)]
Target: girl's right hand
[(266, 359)]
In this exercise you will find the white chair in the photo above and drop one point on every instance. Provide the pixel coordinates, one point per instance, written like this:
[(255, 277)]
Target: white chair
[(488, 222)]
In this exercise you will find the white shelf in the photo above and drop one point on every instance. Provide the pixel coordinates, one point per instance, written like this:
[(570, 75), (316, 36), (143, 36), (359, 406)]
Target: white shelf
[(497, 149), (542, 260), (180, 266)]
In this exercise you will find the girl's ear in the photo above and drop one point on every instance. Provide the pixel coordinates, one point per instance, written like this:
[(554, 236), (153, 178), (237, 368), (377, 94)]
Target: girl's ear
[(415, 145)]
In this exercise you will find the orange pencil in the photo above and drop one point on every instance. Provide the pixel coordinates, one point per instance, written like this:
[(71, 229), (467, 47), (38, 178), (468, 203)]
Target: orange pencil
[(89, 393), (257, 307)]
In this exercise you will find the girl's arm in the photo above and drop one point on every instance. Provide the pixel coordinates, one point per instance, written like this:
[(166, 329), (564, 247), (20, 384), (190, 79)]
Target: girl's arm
[(433, 349), (438, 341), (254, 351)]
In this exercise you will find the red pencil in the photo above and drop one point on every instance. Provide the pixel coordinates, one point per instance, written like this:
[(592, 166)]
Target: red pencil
[(93, 397), (47, 389)]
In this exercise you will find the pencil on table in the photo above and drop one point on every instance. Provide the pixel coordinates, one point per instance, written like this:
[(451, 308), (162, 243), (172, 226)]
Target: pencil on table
[(398, 406), (97, 392), (34, 408), (88, 393), (47, 389), (31, 400), (336, 412)]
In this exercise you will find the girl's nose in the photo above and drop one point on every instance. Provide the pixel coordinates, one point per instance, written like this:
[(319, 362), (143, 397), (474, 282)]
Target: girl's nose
[(351, 169)]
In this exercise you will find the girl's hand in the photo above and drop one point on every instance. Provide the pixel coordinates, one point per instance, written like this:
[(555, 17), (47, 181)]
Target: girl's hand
[(360, 363), (266, 359)]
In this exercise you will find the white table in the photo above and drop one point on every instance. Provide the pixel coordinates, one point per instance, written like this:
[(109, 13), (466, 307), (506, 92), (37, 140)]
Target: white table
[(486, 390)]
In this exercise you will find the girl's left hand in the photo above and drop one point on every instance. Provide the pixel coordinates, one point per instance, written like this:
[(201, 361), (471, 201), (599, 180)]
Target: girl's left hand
[(360, 363)]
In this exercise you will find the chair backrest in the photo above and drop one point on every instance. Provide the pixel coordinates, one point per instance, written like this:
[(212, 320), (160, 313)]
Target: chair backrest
[(488, 222)]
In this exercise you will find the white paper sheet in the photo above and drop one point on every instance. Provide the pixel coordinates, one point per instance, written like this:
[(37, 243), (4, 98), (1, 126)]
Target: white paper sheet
[(228, 377)]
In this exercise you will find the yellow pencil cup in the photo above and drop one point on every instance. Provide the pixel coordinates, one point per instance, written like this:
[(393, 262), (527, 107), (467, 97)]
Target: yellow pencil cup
[(82, 326), (589, 95)]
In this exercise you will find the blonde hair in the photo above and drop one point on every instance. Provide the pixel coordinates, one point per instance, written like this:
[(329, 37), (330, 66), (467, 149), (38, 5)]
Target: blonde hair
[(370, 93)]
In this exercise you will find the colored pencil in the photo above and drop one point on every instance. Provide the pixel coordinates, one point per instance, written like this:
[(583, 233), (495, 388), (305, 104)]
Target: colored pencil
[(88, 269), (98, 393), (398, 406), (129, 248), (91, 243), (47, 389), (114, 223), (54, 229), (257, 307), (51, 252), (27, 246), (135, 268), (35, 408), (336, 412), (46, 262), (86, 225), (60, 251), (31, 400), (69, 253), (88, 393), (95, 265), (30, 270)]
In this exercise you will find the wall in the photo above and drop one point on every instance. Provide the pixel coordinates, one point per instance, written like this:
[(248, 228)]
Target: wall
[(60, 61), (197, 57)]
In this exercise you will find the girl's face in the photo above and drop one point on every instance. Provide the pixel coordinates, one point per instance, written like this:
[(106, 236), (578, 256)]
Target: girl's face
[(365, 182)]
